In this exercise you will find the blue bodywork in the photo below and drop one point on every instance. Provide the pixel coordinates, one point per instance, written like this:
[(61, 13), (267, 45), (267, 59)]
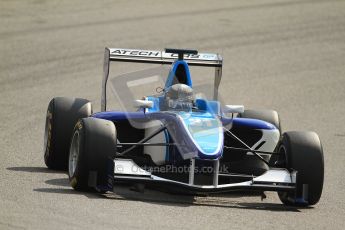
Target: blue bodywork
[(198, 132), (172, 74)]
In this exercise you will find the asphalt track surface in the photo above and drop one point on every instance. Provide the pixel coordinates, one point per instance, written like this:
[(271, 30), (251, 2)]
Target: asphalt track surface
[(285, 55)]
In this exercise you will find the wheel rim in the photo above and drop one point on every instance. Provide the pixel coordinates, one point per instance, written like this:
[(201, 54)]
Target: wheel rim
[(73, 154), (283, 156), (285, 197)]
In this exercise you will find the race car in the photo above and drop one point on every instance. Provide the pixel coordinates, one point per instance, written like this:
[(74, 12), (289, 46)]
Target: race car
[(177, 138)]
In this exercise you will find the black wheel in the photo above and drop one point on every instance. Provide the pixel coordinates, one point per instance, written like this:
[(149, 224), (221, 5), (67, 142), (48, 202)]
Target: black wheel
[(270, 116), (62, 114), (302, 151), (91, 155)]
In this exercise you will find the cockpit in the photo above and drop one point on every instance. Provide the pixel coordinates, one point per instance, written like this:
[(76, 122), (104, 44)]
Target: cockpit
[(178, 97)]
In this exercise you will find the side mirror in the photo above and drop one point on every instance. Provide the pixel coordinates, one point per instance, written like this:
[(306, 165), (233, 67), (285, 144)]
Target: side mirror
[(233, 109), (143, 104)]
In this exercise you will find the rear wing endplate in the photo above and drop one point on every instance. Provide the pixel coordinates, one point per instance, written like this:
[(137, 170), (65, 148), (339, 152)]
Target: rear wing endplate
[(159, 57)]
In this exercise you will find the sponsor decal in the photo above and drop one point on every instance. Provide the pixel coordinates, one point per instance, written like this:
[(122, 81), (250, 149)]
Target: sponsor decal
[(49, 115), (191, 56), (49, 130), (144, 53), (49, 136), (79, 125), (150, 53)]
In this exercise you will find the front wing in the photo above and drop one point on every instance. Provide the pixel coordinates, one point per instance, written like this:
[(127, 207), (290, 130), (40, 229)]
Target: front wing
[(275, 179)]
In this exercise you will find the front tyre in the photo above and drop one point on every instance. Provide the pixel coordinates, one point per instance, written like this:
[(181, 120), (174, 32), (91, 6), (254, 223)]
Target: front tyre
[(91, 155), (302, 151)]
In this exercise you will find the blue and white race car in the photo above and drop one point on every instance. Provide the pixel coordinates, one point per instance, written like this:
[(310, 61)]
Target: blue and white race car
[(178, 138)]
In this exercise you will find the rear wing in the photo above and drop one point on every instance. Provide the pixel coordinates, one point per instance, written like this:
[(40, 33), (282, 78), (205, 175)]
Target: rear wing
[(159, 57)]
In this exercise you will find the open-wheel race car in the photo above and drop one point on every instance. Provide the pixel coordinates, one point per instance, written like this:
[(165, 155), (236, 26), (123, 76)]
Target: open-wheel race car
[(177, 137)]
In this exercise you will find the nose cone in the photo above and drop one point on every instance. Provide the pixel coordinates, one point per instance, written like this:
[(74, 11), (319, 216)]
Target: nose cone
[(206, 133), (197, 134)]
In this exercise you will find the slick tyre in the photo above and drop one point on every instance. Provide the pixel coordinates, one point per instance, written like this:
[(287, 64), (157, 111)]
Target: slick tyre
[(91, 155), (302, 151), (62, 114), (269, 116)]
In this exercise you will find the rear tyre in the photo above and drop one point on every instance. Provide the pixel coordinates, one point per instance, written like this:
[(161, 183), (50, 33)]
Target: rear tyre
[(91, 155), (270, 116), (62, 114), (302, 151)]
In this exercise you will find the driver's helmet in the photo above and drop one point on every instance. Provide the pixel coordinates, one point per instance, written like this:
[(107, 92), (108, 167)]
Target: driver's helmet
[(179, 97)]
